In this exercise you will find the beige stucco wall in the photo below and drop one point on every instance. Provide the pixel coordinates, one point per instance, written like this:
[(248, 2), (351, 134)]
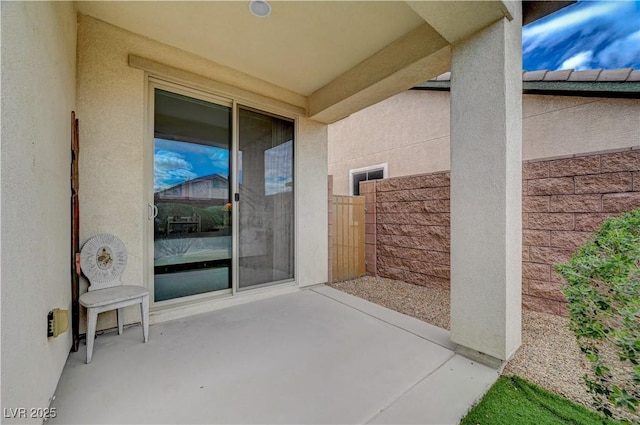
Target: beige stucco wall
[(111, 104), (38, 95), (406, 131), (311, 203), (562, 125), (410, 132)]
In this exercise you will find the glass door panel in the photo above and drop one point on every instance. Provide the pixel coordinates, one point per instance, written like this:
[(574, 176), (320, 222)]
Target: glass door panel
[(266, 210), (192, 228)]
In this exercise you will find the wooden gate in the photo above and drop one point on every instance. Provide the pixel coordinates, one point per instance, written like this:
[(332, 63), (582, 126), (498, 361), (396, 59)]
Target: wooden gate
[(348, 248)]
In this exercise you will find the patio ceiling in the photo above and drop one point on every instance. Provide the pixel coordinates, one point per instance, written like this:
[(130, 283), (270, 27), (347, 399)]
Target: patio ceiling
[(318, 40), (339, 56)]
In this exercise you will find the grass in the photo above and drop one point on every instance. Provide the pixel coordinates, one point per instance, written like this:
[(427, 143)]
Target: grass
[(512, 400)]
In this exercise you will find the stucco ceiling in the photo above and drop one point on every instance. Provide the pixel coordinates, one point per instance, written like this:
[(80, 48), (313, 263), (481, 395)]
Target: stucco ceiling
[(301, 46)]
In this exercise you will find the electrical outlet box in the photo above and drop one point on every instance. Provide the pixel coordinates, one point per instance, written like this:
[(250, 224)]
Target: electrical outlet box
[(57, 322)]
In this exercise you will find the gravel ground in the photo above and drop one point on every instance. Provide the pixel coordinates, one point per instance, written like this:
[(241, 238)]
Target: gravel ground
[(549, 355)]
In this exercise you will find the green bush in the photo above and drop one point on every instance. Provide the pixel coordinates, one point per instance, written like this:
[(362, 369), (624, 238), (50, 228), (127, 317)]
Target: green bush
[(603, 295)]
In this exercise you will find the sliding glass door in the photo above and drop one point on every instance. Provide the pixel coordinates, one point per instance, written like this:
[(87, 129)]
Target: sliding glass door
[(212, 172), (265, 221), (192, 196)]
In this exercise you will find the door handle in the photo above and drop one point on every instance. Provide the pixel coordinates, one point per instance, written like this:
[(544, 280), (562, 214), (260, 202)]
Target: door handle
[(152, 211)]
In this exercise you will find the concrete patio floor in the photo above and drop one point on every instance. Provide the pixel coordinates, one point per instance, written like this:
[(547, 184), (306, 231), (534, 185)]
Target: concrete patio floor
[(315, 356)]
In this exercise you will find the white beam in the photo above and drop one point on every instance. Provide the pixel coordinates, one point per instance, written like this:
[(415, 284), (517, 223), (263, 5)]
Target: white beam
[(417, 56), (457, 20), (285, 101)]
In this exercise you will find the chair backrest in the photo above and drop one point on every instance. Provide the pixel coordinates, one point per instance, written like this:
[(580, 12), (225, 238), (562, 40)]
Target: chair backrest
[(103, 259)]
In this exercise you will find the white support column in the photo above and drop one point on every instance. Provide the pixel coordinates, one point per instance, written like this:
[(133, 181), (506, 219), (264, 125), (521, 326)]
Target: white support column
[(486, 191)]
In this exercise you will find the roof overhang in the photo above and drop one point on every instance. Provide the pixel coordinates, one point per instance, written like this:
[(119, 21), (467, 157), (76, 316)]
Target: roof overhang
[(612, 89), (534, 10), (329, 58)]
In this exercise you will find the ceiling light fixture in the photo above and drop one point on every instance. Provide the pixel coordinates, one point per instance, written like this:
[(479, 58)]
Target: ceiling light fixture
[(260, 8)]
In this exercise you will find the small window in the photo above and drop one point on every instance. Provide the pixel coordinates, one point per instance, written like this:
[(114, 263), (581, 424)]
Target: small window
[(374, 172)]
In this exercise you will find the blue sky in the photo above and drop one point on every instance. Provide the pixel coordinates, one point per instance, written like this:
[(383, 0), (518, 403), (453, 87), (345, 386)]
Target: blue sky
[(586, 35)]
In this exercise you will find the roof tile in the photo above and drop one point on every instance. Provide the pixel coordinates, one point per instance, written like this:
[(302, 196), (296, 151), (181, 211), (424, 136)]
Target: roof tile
[(561, 75), (634, 76), (587, 75), (615, 74), (534, 75)]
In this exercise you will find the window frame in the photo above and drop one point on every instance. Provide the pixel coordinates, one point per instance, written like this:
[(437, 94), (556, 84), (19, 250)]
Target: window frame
[(385, 173)]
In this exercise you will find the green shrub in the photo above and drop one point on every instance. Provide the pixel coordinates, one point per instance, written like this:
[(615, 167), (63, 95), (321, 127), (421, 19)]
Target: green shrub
[(603, 295)]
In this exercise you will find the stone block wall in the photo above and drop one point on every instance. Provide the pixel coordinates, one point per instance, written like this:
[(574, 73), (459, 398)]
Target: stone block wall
[(412, 229), (564, 201)]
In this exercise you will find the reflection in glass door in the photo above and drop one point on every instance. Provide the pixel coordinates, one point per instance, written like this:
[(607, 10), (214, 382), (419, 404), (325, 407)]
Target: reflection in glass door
[(192, 227), (265, 208)]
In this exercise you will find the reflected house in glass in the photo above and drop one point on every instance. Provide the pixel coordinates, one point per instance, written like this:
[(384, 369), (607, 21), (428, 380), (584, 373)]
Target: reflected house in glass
[(202, 193), (214, 188)]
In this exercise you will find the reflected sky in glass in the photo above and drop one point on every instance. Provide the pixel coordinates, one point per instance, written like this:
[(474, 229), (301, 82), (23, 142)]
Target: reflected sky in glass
[(177, 162)]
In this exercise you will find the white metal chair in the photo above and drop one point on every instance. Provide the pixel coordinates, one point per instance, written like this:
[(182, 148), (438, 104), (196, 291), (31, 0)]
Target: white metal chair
[(103, 258)]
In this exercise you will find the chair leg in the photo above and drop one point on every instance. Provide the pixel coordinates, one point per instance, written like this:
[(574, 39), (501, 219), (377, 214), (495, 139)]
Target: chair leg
[(92, 318), (120, 316), (144, 313)]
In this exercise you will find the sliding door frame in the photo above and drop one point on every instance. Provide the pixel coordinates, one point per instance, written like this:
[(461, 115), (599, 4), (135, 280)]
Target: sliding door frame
[(235, 104)]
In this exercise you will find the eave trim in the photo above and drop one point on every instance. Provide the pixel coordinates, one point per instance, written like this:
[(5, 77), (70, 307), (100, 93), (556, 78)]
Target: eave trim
[(190, 79)]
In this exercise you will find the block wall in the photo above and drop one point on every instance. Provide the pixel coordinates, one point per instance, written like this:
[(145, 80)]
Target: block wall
[(564, 201), (412, 229)]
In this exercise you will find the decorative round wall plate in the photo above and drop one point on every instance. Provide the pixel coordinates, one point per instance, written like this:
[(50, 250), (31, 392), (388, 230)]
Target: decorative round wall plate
[(103, 258)]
